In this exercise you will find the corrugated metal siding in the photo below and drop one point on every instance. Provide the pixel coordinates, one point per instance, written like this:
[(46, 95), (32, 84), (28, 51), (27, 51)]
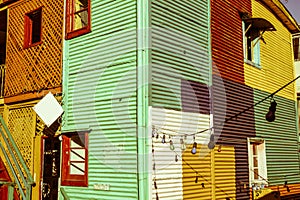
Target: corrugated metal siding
[(168, 173), (180, 73), (276, 58), (281, 139), (234, 99), (100, 94), (180, 48), (227, 42), (215, 170), (277, 70), (201, 163), (225, 178)]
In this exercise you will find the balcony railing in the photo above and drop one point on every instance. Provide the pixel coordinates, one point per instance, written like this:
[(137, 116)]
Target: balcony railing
[(20, 174), (2, 79)]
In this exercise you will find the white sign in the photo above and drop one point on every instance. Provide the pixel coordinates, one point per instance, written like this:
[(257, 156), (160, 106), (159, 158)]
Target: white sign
[(48, 109)]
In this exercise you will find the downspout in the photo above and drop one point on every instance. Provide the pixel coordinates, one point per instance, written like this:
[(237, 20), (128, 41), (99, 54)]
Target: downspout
[(143, 57)]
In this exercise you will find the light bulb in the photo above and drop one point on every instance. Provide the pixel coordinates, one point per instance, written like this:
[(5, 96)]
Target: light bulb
[(270, 116), (163, 139), (172, 145), (194, 149), (182, 144), (153, 132), (211, 143)]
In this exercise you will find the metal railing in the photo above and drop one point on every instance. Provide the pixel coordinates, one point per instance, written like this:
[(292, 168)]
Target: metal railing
[(21, 175)]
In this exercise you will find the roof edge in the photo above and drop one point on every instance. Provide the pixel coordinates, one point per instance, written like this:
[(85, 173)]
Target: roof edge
[(283, 14)]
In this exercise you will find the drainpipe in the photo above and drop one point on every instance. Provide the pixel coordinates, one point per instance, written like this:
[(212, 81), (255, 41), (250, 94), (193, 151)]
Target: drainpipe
[(143, 57)]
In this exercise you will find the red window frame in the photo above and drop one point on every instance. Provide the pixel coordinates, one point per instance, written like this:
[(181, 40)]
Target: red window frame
[(28, 28), (71, 32), (68, 179)]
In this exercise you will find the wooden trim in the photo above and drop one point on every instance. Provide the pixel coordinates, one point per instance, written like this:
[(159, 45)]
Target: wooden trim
[(66, 178), (31, 96)]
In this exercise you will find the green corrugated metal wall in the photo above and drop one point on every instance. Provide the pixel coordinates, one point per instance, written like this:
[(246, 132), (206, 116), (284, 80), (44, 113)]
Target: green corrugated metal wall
[(281, 139), (180, 48), (179, 94), (100, 94)]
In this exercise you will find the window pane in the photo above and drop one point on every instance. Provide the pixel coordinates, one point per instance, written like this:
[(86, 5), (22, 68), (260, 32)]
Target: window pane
[(254, 146), (255, 162), (77, 155), (81, 19), (80, 4), (77, 168), (256, 173)]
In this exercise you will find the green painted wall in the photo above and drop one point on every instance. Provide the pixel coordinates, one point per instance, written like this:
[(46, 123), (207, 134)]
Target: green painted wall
[(281, 139), (180, 48), (100, 94)]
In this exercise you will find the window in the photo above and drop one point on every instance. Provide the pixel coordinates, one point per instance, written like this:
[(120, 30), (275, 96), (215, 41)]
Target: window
[(78, 18), (296, 44), (257, 161), (33, 28), (75, 159), (251, 45)]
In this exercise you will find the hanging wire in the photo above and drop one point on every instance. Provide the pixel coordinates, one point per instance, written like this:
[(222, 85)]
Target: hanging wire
[(194, 134), (235, 115)]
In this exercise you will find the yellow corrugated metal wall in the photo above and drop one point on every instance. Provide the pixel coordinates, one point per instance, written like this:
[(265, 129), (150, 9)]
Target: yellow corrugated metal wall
[(276, 57), (277, 69), (215, 170)]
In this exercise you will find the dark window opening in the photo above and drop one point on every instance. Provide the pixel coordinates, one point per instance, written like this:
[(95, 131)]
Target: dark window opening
[(33, 28), (296, 44), (3, 33), (249, 49)]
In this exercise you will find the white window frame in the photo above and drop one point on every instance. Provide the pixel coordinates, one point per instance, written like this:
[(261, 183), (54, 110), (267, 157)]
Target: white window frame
[(261, 158), (255, 49)]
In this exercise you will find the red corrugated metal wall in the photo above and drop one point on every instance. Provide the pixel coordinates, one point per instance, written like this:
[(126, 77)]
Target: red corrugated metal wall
[(227, 42)]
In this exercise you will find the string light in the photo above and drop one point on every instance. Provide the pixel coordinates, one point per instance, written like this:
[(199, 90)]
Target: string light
[(182, 144), (211, 144), (163, 139), (172, 147), (194, 149), (153, 132)]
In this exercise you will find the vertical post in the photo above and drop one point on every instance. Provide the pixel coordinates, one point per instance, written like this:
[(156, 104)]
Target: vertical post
[(143, 57)]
